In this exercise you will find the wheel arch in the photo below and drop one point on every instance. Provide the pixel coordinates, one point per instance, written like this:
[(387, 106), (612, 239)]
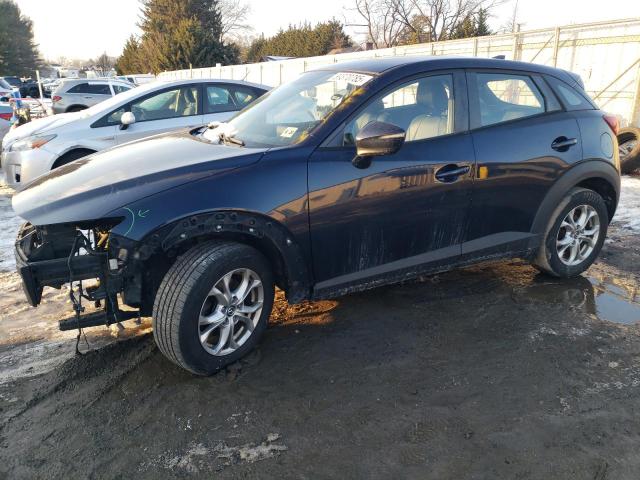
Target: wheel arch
[(62, 159), (76, 107), (157, 251), (598, 175)]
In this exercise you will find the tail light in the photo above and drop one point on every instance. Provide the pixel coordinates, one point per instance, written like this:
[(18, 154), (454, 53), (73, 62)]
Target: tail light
[(6, 116), (612, 121), (56, 98)]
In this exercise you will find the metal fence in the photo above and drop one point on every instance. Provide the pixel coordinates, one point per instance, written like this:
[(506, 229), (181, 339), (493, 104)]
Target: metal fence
[(606, 55)]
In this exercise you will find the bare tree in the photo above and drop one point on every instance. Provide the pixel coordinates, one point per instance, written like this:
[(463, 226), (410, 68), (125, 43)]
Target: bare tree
[(393, 22), (384, 25), (233, 16), (104, 63)]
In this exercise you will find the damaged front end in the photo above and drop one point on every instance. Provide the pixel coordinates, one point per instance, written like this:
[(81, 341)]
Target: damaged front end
[(54, 255)]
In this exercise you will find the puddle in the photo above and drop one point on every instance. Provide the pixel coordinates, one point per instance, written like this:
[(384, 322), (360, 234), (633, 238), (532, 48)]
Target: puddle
[(609, 298)]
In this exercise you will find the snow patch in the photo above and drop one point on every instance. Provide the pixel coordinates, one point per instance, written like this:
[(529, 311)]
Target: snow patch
[(199, 457), (9, 224), (628, 212)]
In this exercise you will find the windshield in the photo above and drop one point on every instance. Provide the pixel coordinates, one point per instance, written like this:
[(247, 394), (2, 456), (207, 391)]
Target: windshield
[(288, 113), (13, 81), (4, 84), (119, 99)]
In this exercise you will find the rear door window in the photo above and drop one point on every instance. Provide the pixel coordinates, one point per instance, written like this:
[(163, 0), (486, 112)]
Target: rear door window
[(501, 97), (218, 98), (117, 88), (91, 88)]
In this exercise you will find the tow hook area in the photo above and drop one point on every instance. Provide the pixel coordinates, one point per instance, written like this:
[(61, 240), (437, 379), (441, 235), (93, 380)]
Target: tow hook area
[(62, 254)]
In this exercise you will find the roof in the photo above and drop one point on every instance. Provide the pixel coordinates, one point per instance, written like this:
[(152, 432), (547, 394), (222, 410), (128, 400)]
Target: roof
[(383, 64)]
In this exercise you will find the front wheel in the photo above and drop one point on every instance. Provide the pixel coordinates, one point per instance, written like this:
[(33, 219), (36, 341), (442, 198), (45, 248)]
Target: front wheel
[(213, 306), (575, 234)]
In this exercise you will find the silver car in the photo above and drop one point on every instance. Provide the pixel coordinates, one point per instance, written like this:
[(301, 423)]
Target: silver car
[(80, 93), (47, 143)]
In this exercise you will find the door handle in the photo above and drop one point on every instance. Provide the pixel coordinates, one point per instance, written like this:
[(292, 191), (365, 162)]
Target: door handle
[(562, 144), (450, 173)]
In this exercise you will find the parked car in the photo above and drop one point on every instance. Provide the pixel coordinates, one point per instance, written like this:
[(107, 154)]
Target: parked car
[(353, 176), (138, 79), (6, 112), (15, 82), (77, 94), (29, 88), (6, 90), (48, 143)]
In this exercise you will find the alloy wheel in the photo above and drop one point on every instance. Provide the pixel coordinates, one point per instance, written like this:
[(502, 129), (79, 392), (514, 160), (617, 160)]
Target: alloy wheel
[(578, 235), (231, 311)]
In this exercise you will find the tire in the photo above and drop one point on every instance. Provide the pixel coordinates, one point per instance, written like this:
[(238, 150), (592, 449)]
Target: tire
[(185, 294), (556, 235), (70, 157), (629, 149)]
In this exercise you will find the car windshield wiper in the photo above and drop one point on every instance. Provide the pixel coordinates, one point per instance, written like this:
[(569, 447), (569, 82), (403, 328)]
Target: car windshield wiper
[(230, 139)]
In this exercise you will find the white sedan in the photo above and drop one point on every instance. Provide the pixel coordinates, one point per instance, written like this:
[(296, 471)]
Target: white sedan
[(47, 143)]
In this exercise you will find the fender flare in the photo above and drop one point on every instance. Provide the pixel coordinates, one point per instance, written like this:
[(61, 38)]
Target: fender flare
[(266, 234), (587, 170)]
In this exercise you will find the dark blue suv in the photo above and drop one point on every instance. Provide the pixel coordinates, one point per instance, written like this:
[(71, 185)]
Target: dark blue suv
[(350, 177)]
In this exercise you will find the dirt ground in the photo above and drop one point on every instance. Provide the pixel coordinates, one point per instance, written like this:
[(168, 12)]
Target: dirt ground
[(493, 371)]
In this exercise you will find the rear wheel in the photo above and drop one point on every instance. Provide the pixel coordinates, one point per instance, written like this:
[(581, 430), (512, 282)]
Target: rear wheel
[(575, 234), (212, 306)]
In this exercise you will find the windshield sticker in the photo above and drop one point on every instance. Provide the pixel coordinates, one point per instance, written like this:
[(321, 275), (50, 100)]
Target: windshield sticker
[(289, 132), (356, 79)]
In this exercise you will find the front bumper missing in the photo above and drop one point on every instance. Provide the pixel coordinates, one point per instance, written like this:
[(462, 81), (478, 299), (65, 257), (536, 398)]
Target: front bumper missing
[(51, 272), (65, 255)]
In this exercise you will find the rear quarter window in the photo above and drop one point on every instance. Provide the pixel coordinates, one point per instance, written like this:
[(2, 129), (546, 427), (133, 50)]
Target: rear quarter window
[(569, 96)]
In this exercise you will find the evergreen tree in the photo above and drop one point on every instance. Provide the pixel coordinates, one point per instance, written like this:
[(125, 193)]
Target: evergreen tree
[(300, 41), (473, 25), (175, 35), (18, 52), (129, 60), (482, 23)]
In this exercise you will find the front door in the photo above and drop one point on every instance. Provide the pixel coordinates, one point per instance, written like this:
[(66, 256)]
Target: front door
[(169, 109), (406, 210)]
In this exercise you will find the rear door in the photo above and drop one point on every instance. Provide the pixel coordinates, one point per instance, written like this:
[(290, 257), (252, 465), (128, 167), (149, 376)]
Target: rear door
[(405, 210), (171, 108), (523, 142), (223, 100)]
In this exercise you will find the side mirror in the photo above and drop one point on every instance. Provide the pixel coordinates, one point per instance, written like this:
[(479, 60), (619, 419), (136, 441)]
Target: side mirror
[(127, 119), (376, 139)]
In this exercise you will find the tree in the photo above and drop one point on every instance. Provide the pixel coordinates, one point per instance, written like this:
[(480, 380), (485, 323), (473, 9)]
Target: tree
[(177, 34), (473, 26), (129, 61), (397, 22), (104, 63), (301, 41), (18, 52), (233, 17)]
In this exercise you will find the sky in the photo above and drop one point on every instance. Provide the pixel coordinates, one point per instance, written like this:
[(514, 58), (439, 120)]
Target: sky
[(83, 29)]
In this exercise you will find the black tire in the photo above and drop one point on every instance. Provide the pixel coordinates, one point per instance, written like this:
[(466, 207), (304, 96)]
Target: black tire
[(180, 298), (629, 157), (548, 260), (75, 108), (71, 156)]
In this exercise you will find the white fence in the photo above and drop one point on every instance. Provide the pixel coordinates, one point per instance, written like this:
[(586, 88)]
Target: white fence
[(606, 55)]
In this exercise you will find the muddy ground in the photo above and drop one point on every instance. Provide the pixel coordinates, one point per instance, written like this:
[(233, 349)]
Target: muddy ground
[(489, 372)]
